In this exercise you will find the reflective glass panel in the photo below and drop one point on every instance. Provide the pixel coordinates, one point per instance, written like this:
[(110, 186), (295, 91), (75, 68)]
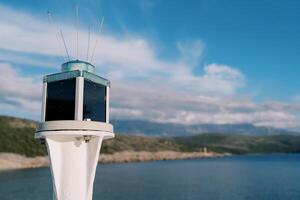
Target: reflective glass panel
[(60, 104), (94, 101)]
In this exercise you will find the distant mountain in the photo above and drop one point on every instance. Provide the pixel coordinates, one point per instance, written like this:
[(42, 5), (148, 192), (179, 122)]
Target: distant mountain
[(155, 129), (147, 128)]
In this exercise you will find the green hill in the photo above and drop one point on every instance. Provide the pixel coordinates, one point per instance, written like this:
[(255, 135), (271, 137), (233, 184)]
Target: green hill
[(241, 144), (16, 136)]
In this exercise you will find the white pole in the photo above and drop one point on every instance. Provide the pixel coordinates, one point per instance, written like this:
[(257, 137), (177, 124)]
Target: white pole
[(73, 165), (107, 104), (79, 98), (43, 111)]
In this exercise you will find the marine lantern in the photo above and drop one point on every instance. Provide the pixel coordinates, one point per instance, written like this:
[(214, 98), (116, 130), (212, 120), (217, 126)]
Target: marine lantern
[(74, 122)]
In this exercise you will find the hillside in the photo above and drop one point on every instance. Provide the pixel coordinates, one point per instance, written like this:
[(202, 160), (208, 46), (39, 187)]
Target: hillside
[(241, 144), (16, 136)]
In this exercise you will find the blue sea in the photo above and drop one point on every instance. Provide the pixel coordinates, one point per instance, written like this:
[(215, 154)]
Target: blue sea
[(257, 177)]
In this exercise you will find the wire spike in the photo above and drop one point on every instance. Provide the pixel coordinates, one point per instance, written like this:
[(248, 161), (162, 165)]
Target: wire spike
[(100, 31), (56, 26), (63, 39), (88, 47), (77, 34)]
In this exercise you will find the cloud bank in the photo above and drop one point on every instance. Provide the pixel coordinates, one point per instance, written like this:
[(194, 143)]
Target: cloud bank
[(144, 86)]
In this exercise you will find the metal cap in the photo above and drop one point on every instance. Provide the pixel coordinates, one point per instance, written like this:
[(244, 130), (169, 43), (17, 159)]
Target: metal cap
[(77, 65)]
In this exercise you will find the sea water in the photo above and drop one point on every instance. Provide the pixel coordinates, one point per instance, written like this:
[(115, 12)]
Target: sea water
[(229, 178)]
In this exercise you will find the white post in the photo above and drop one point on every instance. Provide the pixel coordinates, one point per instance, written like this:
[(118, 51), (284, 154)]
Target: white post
[(107, 104), (79, 98), (73, 165), (44, 98)]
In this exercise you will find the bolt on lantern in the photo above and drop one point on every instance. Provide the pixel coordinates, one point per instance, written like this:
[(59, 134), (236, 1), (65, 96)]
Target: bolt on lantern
[(74, 122)]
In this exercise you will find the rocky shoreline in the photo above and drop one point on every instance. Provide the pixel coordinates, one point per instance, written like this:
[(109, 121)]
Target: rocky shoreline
[(14, 161)]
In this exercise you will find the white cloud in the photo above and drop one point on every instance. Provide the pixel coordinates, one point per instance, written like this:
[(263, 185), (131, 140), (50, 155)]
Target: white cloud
[(14, 83), (223, 72), (131, 57), (143, 85), (168, 105), (191, 51), (18, 91), (216, 79), (296, 98)]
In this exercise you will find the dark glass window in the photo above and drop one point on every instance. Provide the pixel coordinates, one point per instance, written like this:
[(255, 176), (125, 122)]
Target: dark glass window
[(94, 101), (60, 103)]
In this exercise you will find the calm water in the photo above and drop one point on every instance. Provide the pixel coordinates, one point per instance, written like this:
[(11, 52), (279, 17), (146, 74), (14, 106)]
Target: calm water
[(233, 178)]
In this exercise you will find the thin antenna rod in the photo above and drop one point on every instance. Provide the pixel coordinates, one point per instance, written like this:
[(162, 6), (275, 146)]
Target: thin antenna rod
[(63, 39), (77, 27), (100, 31), (55, 25), (88, 47)]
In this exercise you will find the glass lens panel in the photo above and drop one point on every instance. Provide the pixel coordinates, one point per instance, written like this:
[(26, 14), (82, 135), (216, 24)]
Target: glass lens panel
[(60, 103), (94, 101)]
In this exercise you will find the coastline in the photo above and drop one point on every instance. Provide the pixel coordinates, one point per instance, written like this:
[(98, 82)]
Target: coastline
[(10, 161)]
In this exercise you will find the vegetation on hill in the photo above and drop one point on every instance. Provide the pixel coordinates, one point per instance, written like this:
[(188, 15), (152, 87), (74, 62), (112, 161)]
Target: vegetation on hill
[(241, 144), (139, 143), (16, 136)]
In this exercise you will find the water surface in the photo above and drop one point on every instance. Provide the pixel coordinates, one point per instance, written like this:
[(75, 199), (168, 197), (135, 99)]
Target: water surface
[(232, 178)]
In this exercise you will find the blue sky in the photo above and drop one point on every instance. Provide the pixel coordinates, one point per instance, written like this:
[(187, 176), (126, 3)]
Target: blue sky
[(215, 61)]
